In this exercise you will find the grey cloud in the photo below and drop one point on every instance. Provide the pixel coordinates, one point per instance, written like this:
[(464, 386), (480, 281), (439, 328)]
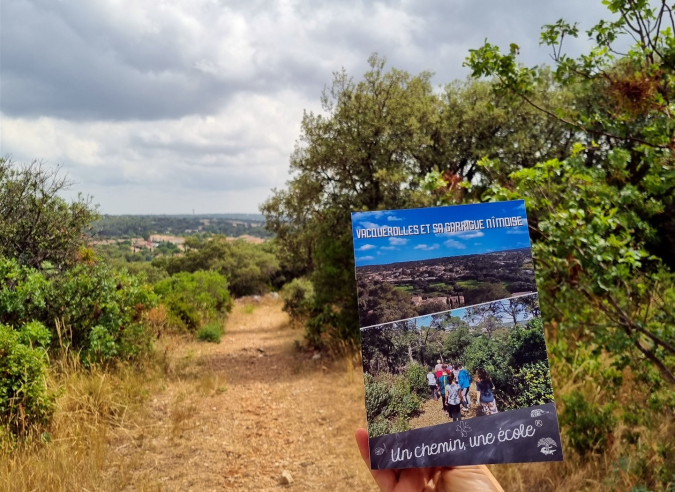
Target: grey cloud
[(199, 102), (62, 59), (86, 60)]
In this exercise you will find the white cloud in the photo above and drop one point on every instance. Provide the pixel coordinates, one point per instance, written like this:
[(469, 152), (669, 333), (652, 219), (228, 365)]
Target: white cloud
[(472, 235), (202, 163), (388, 248), (397, 241), (451, 243), (366, 247), (393, 218), (197, 104), (369, 225), (517, 231), (462, 234), (425, 247), (377, 214), (363, 258)]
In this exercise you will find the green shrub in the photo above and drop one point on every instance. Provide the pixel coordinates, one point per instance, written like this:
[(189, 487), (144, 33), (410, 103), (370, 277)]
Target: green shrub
[(195, 298), (25, 401), (533, 385), (145, 271), (489, 354), (527, 344), (211, 332), (101, 313), (377, 396), (403, 401), (417, 379), (588, 426), (249, 268), (390, 402), (399, 424), (298, 296), (379, 427), (23, 293)]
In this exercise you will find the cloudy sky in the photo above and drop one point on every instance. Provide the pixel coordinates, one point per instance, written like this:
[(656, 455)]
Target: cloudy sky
[(156, 106)]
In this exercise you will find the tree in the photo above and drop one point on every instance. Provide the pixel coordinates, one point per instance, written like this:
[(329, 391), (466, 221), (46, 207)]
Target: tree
[(372, 149), (489, 325), (377, 349), (433, 306), (456, 343), (38, 227), (475, 315), (603, 220), (485, 293), (384, 303), (513, 308)]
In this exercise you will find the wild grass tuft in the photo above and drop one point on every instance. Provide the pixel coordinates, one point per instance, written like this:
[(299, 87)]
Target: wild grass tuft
[(211, 332), (72, 454)]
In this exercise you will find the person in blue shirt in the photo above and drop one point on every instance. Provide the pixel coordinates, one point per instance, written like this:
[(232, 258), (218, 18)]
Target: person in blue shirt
[(486, 397), (464, 381)]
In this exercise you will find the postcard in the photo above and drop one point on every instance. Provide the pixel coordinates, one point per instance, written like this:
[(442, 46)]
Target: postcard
[(454, 357)]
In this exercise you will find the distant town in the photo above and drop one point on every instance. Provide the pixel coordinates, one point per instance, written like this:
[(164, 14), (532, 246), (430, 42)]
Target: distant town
[(407, 289), (174, 227), (149, 236)]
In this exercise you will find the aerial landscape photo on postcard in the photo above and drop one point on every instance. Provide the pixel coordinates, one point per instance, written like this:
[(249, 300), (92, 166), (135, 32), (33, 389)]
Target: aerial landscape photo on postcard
[(419, 274)]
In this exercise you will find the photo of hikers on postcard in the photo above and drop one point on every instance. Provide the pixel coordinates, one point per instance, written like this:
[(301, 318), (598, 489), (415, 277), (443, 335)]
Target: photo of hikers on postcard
[(456, 365), (452, 336)]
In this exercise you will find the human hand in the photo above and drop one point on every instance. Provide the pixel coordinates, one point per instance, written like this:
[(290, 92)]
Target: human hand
[(440, 479)]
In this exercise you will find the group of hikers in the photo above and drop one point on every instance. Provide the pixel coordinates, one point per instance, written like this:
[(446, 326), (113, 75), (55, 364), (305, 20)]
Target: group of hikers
[(451, 382)]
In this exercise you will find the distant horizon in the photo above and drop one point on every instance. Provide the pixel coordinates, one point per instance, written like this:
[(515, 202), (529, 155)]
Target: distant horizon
[(452, 256), (201, 214)]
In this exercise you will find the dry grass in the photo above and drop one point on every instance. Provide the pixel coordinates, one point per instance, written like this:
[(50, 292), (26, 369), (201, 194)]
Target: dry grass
[(204, 417), (73, 454), (233, 416), (635, 456), (611, 471)]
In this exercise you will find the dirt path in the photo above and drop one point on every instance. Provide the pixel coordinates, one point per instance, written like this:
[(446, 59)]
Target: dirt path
[(234, 416), (432, 412)]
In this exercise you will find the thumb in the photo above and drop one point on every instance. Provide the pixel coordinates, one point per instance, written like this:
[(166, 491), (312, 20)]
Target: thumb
[(463, 478)]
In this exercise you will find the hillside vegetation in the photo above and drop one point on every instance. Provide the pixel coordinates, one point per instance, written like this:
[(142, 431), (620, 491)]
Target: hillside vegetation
[(128, 226), (588, 143), (89, 334)]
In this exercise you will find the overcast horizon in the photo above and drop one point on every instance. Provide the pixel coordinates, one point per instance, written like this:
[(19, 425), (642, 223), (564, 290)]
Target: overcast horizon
[(170, 107)]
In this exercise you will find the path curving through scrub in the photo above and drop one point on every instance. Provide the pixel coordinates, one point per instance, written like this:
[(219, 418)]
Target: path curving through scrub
[(235, 415)]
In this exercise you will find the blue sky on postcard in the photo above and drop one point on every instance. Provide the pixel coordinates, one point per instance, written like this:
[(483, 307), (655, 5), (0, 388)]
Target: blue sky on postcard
[(394, 248)]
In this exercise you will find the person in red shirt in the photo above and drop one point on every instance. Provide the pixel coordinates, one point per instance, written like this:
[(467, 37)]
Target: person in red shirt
[(438, 370)]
